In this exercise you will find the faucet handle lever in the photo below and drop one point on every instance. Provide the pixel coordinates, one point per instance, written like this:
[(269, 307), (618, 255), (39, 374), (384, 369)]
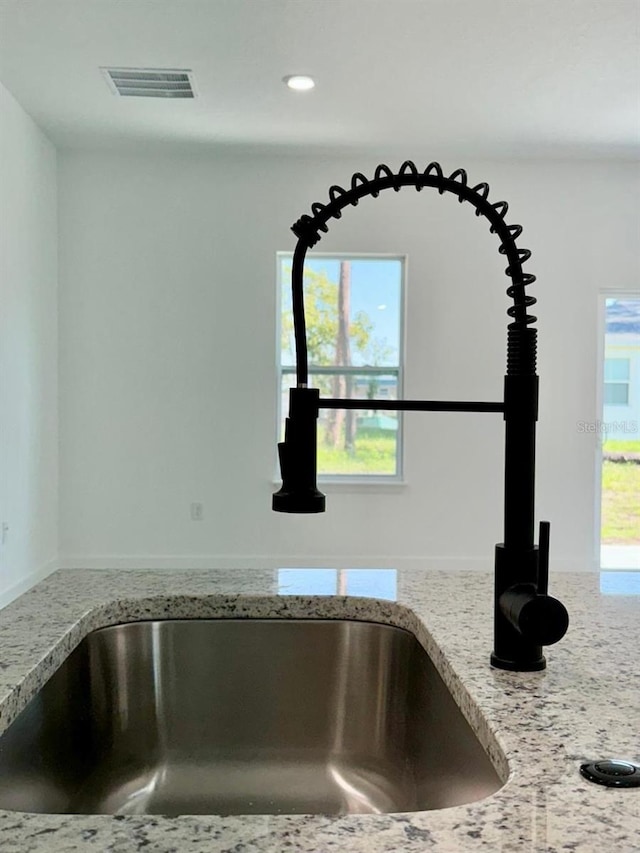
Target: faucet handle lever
[(543, 558)]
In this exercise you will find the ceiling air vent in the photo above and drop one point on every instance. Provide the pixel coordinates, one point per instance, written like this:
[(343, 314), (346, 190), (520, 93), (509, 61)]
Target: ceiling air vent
[(150, 82)]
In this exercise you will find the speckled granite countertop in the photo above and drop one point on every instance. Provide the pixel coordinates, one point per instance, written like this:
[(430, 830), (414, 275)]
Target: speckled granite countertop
[(586, 705)]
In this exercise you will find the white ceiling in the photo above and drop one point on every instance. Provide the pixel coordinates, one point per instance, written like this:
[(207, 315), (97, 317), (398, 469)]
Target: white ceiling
[(497, 78)]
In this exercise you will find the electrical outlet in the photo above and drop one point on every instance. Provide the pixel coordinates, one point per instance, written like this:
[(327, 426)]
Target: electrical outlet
[(197, 512)]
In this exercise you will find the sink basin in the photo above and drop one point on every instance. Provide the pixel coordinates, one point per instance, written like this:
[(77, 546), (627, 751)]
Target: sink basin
[(243, 716)]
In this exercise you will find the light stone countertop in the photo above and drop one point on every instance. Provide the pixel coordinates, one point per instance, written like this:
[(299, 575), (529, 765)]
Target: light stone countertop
[(584, 706)]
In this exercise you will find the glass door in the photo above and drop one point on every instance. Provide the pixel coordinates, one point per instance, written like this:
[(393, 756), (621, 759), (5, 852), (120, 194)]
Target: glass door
[(619, 431)]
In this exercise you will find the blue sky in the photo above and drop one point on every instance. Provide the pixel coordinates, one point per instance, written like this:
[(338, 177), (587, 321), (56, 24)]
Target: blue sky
[(623, 316), (376, 287)]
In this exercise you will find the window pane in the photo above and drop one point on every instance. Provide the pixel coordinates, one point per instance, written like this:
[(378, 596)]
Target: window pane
[(360, 442), (616, 369), (352, 311), (616, 394)]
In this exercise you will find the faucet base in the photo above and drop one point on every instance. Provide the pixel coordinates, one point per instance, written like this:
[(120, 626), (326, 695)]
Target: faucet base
[(519, 666)]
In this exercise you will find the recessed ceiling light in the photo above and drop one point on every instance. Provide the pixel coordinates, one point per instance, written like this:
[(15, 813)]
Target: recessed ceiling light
[(299, 82)]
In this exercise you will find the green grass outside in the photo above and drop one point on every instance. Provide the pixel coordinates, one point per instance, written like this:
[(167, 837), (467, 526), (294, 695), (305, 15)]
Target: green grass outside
[(620, 503), (374, 453), (616, 446)]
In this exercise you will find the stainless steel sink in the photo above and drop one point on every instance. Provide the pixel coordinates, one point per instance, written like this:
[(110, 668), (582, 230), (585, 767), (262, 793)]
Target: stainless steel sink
[(229, 716)]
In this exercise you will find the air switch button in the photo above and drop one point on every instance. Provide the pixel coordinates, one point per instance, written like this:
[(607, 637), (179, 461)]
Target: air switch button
[(612, 773), (616, 768)]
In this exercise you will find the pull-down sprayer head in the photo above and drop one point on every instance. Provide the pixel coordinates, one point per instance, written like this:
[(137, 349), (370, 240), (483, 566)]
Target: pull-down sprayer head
[(298, 466)]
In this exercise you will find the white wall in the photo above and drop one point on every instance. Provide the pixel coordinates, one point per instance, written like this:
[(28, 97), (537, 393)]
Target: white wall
[(28, 351), (167, 383)]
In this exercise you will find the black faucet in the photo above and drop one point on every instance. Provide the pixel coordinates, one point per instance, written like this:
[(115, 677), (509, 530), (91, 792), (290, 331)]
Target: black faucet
[(526, 618)]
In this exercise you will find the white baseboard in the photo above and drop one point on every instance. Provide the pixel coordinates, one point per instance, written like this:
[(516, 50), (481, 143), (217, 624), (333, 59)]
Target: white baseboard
[(18, 589), (253, 561)]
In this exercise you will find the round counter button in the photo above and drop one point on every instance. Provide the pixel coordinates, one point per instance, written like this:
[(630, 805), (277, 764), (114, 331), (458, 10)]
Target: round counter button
[(613, 773), (615, 768)]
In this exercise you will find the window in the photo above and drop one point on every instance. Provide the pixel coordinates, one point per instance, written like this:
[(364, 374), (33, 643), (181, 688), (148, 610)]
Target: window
[(616, 381), (354, 310)]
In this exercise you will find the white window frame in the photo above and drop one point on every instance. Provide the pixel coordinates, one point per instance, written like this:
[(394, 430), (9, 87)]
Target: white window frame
[(349, 480)]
